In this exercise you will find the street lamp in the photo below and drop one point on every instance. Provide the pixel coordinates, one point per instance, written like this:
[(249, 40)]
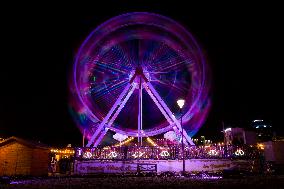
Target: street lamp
[(180, 103)]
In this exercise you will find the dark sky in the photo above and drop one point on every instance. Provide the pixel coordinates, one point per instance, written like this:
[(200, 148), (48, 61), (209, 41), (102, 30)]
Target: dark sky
[(243, 43)]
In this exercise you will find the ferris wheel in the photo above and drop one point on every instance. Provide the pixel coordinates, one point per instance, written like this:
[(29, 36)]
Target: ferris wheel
[(129, 73)]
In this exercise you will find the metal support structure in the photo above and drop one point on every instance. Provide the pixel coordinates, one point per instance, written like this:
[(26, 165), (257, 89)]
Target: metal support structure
[(114, 116), (124, 97), (168, 111), (140, 137), (122, 105), (115, 107), (100, 137), (168, 118)]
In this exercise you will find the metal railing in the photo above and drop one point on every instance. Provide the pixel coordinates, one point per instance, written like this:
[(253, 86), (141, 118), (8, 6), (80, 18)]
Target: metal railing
[(168, 152)]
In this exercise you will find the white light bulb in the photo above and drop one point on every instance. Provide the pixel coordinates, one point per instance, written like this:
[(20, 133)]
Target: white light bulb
[(180, 103)]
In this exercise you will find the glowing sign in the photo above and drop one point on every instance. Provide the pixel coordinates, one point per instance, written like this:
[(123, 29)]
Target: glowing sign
[(135, 155), (164, 153), (239, 152), (87, 155), (213, 153), (113, 154), (79, 152)]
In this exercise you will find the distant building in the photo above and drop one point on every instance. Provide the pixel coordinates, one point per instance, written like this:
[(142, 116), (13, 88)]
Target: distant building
[(250, 137), (22, 157), (274, 151), (237, 136), (263, 130)]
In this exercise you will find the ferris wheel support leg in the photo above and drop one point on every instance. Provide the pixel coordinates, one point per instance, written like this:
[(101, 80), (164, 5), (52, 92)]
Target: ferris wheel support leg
[(166, 108), (114, 115), (105, 120), (178, 133), (96, 143), (122, 104), (162, 110), (158, 104), (140, 114)]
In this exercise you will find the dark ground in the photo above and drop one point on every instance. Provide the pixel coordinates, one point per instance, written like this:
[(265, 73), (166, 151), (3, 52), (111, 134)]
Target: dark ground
[(152, 182)]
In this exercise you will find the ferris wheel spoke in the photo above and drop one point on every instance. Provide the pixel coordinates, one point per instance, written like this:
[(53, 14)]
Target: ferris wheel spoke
[(168, 60), (167, 84), (164, 55), (158, 52), (158, 72), (168, 111), (125, 58), (110, 67), (176, 65), (109, 81), (151, 50), (118, 57), (107, 88)]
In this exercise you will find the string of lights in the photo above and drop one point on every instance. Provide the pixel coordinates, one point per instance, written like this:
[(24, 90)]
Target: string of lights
[(124, 142), (64, 151), (151, 141)]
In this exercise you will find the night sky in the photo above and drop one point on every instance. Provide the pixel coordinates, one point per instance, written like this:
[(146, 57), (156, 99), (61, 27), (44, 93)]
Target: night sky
[(243, 44)]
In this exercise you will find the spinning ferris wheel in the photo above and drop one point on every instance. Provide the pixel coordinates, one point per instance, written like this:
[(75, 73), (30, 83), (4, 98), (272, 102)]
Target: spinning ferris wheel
[(128, 74)]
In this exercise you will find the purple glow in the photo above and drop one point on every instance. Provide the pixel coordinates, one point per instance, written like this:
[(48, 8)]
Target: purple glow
[(170, 58)]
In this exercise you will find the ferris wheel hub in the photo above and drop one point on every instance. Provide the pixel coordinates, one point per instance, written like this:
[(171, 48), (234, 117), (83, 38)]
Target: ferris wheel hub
[(139, 76)]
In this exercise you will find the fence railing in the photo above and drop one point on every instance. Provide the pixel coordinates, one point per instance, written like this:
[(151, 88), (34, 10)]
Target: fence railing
[(168, 152)]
